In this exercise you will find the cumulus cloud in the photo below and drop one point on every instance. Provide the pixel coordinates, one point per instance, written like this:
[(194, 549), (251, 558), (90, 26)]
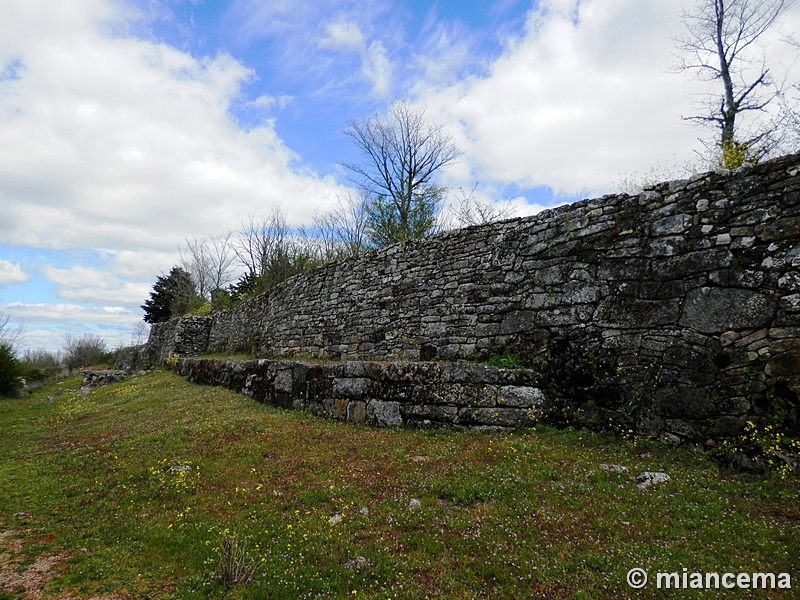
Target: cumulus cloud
[(46, 325), (586, 93), (136, 135), (86, 284), (140, 265), (42, 313), (572, 100), (11, 273)]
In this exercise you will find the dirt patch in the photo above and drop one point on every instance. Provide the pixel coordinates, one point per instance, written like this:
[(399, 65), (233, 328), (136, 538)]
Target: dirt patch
[(31, 580)]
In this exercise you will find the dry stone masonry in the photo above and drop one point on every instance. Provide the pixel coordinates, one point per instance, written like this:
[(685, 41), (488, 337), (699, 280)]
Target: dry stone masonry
[(675, 312), (382, 394)]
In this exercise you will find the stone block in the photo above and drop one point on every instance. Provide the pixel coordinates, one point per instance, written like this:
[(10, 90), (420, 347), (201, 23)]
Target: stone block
[(469, 373), (681, 402), (381, 413), (630, 269), (728, 426), (520, 397), (497, 417), (716, 310), (351, 387), (426, 412), (517, 321), (785, 364), (671, 225), (357, 411), (565, 315), (692, 263), (736, 405), (791, 303), (284, 381), (629, 313)]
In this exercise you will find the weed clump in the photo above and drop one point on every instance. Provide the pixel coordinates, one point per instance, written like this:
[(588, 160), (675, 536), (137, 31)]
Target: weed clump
[(235, 565)]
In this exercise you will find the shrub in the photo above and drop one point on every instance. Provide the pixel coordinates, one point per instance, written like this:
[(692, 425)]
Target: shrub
[(39, 365), (760, 449), (84, 351), (200, 310), (734, 154), (10, 372)]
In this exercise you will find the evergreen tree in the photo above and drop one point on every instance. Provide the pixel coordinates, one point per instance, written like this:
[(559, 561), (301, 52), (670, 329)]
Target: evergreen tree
[(10, 371), (172, 296)]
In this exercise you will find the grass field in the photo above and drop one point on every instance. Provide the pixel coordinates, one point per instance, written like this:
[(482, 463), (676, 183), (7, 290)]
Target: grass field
[(158, 488)]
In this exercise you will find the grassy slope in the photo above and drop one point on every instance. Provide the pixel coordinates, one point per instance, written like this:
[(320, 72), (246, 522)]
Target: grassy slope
[(519, 515)]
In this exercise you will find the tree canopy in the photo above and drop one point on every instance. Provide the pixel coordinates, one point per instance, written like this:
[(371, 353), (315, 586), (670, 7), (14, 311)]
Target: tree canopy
[(172, 296), (721, 43), (403, 153)]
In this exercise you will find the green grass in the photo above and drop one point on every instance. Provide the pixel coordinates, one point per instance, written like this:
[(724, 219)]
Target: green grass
[(135, 487)]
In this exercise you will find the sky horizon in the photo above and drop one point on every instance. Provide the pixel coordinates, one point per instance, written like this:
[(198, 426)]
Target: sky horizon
[(130, 126)]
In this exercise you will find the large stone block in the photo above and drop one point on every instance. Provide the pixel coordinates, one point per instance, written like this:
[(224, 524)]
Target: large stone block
[(497, 417), (356, 411), (518, 321), (692, 263), (626, 313), (716, 310), (680, 402), (785, 364), (347, 387), (520, 397), (425, 412), (381, 413)]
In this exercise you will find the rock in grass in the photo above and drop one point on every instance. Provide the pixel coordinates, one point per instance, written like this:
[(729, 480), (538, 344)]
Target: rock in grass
[(357, 563), (648, 478), (614, 468)]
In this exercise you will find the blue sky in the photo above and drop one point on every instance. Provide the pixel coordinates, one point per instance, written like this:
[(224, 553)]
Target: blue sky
[(130, 126)]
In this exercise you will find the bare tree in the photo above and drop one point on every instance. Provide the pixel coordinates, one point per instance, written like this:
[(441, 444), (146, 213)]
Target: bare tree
[(342, 231), (722, 44), (260, 240), (403, 154), (271, 251), (209, 262), (8, 334), (140, 333), (472, 211)]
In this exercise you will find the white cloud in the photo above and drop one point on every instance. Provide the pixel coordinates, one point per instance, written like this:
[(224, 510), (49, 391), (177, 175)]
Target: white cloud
[(141, 265), (268, 102), (377, 69), (42, 313), (11, 273), (343, 35), (121, 143), (86, 284), (46, 325), (585, 94)]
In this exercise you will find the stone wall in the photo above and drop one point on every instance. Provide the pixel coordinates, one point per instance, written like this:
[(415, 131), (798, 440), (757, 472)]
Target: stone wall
[(675, 311), (382, 394)]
